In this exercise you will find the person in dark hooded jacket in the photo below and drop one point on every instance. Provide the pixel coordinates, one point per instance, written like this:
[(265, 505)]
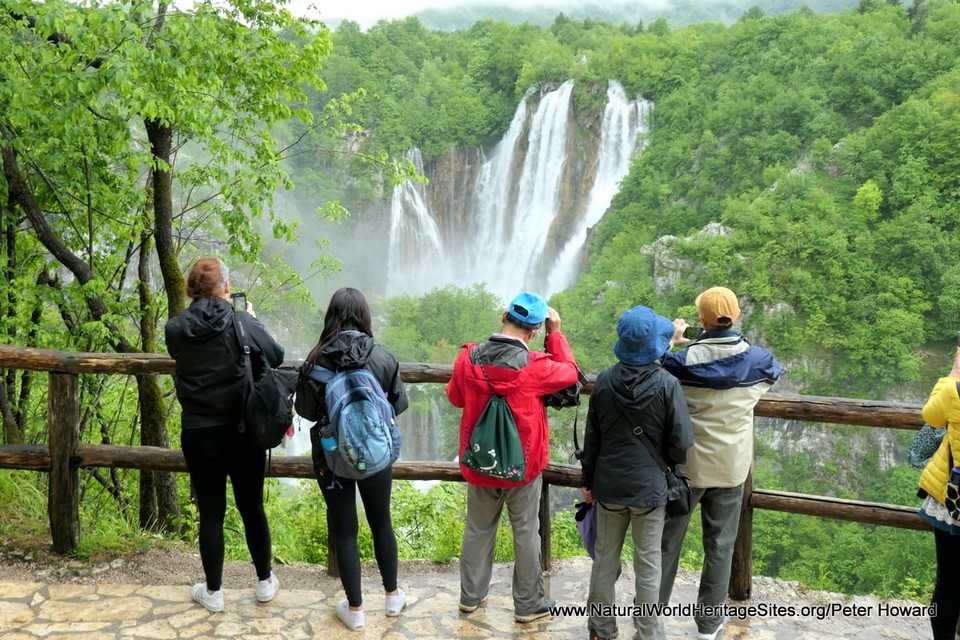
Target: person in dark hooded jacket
[(209, 382), (346, 342), (620, 476)]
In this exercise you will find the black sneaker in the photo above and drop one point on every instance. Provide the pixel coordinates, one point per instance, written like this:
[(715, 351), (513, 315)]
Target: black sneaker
[(543, 611)]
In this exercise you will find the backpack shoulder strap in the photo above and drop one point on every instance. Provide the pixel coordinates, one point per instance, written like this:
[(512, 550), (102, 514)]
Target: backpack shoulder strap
[(321, 374), (247, 365), (638, 431)]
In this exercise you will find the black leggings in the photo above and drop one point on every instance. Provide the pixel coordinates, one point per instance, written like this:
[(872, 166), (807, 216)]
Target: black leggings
[(212, 454), (341, 499), (946, 590)]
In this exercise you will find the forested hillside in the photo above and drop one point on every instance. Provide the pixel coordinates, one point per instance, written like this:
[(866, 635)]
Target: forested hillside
[(821, 144), (806, 160)]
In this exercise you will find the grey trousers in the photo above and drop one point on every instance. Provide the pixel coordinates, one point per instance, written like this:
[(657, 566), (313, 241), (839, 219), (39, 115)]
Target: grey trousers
[(484, 505), (720, 516), (646, 525)]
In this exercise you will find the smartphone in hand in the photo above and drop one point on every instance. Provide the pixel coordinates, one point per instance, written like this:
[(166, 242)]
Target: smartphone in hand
[(692, 332), (239, 301)]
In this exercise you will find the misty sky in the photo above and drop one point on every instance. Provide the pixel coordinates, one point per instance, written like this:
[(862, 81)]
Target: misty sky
[(366, 12)]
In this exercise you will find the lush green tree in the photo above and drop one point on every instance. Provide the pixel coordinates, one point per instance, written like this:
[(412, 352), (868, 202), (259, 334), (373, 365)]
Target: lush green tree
[(134, 136), (431, 328)]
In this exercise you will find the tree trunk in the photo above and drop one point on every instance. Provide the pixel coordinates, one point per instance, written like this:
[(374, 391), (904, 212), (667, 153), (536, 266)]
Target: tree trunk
[(159, 507), (8, 385), (160, 136), (161, 140)]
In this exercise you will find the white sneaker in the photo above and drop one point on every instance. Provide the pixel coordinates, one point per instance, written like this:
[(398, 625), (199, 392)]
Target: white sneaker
[(212, 601), (268, 588), (470, 608), (352, 619), (395, 604), (715, 633)]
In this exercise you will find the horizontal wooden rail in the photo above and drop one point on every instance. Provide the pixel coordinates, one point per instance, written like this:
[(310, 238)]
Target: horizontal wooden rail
[(888, 515), (30, 359), (37, 458), (30, 457), (869, 413)]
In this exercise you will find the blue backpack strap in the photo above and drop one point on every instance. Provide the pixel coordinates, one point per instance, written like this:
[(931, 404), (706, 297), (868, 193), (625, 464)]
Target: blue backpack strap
[(321, 374)]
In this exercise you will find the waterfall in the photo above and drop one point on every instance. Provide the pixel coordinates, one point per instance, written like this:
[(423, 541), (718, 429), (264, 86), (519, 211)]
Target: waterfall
[(492, 197), (538, 199), (416, 249), (624, 124), (420, 423), (507, 233)]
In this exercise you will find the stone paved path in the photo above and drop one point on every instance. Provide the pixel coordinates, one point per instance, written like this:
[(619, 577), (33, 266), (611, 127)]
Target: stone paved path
[(38, 611)]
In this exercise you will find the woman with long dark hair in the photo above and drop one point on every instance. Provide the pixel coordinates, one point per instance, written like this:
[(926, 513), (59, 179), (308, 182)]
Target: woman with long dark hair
[(209, 381), (346, 342)]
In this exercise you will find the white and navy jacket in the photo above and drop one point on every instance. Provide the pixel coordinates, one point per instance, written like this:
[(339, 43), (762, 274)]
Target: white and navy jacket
[(723, 377)]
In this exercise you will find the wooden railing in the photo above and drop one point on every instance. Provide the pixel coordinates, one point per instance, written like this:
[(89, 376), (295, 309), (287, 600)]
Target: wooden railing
[(65, 455)]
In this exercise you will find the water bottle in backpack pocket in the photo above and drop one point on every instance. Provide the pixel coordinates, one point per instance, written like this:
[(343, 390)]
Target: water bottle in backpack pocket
[(361, 438), (328, 439)]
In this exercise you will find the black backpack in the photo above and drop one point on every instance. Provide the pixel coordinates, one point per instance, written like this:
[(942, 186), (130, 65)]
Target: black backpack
[(267, 410)]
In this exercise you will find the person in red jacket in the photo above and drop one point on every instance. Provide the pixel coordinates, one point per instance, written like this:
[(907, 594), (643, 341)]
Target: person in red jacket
[(523, 378)]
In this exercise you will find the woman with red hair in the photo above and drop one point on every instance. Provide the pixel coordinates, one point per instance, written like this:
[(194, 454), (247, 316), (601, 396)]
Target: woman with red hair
[(209, 382)]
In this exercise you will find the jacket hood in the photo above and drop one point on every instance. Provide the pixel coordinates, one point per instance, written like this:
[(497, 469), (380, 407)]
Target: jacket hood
[(350, 350), (206, 317), (630, 384)]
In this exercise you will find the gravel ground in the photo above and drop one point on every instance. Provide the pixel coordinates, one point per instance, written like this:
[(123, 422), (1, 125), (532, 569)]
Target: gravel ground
[(165, 563)]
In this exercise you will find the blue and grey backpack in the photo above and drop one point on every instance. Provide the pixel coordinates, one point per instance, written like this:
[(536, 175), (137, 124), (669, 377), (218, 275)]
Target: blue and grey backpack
[(358, 440)]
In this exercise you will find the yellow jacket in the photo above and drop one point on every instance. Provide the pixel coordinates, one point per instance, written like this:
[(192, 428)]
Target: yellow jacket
[(942, 410)]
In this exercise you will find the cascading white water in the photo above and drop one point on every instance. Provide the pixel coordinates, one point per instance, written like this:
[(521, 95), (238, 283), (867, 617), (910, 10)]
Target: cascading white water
[(622, 134), (416, 248), (502, 237), (492, 204), (505, 230), (538, 199)]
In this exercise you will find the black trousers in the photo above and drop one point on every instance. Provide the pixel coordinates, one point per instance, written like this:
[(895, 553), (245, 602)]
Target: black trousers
[(213, 454), (946, 590), (340, 495)]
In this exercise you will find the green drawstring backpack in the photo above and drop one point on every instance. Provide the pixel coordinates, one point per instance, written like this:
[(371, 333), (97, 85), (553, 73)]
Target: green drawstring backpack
[(494, 449)]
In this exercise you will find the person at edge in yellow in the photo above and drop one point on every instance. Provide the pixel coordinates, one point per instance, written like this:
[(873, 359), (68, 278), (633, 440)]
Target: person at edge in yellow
[(943, 410)]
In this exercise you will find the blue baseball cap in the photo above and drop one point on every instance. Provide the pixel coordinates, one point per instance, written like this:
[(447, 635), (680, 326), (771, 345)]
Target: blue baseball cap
[(644, 336), (528, 308)]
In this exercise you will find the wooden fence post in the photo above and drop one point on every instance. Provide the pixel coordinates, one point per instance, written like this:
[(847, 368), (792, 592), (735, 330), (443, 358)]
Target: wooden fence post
[(63, 506), (741, 575), (545, 526)]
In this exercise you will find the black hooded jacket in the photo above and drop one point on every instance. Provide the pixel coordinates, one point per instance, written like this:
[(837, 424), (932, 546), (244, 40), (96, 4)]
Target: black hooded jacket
[(210, 365), (352, 350), (617, 467)]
